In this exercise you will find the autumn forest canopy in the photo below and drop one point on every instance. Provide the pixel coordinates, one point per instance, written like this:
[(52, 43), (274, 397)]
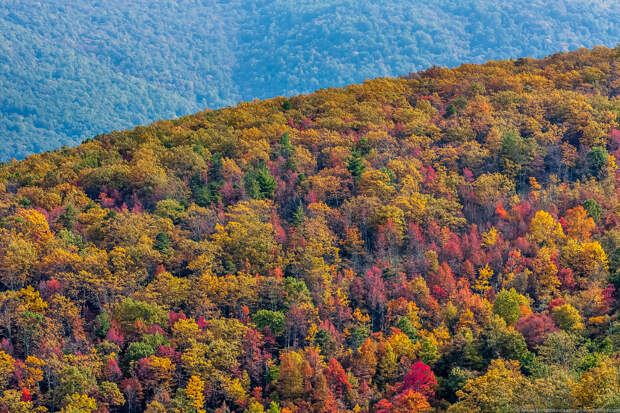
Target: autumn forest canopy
[(446, 241)]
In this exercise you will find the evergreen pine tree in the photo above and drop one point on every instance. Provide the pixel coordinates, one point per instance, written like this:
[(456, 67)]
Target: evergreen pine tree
[(355, 164), (299, 216)]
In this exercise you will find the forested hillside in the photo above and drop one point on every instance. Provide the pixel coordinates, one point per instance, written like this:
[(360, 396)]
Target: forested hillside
[(447, 241), (71, 70)]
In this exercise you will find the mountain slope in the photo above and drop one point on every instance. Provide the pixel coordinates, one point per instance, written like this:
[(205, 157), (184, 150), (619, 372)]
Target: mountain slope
[(444, 241), (69, 71)]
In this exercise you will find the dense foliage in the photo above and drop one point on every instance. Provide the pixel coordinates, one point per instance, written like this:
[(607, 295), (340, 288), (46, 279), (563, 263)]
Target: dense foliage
[(71, 70), (444, 241)]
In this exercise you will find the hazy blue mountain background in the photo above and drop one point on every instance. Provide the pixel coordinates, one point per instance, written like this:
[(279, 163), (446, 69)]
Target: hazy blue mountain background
[(72, 69)]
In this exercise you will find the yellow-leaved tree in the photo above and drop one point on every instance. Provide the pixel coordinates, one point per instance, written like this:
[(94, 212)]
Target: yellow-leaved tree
[(195, 394)]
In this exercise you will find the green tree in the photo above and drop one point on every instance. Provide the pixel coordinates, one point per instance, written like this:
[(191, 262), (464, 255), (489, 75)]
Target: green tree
[(275, 320), (259, 183), (450, 110), (137, 351), (299, 215), (593, 209), (356, 164), (162, 242), (597, 159), (508, 305)]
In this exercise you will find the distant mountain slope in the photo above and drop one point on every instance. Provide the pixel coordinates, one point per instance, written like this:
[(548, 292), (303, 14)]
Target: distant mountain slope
[(72, 70)]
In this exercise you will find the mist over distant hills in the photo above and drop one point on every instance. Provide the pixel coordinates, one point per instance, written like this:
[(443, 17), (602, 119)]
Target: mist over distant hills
[(69, 71)]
